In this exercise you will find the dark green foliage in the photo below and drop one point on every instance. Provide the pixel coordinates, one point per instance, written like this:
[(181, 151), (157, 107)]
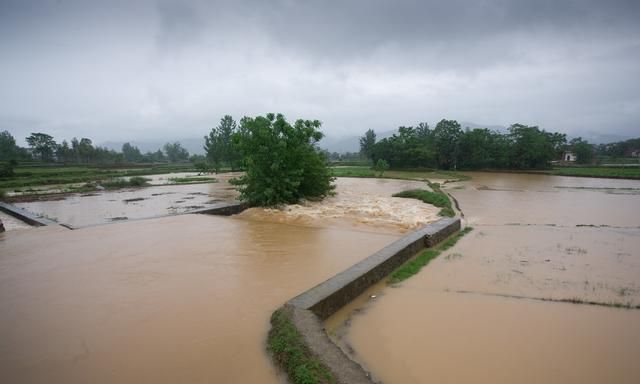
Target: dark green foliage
[(367, 143), (6, 170), (220, 145), (175, 152), (289, 351), (42, 145), (447, 146), (381, 166), (446, 136), (131, 153), (531, 148), (283, 164), (8, 147), (414, 266), (583, 150), (436, 198), (410, 148)]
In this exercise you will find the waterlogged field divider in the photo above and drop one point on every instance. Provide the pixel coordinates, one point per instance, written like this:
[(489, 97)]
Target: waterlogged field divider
[(221, 209), (297, 332), (25, 216)]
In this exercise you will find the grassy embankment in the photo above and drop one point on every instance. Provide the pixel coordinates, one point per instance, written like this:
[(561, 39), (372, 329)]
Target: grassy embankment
[(436, 198), (604, 172), (290, 353), (414, 265)]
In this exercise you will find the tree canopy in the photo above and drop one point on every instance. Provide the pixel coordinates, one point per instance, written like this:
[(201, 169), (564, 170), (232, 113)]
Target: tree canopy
[(367, 143), (282, 161), (219, 144)]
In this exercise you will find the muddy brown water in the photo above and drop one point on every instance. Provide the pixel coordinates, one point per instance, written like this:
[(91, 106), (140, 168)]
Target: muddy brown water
[(177, 299), (474, 314), (180, 299), (82, 209)]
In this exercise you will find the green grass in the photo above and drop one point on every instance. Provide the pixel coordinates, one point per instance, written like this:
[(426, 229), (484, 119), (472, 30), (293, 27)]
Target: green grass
[(31, 176), (414, 265), (289, 351), (405, 174), (605, 172), (436, 198)]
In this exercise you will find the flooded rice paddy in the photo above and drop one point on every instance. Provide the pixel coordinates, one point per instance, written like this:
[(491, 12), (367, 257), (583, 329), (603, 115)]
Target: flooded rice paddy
[(175, 299), (482, 313), (82, 209)]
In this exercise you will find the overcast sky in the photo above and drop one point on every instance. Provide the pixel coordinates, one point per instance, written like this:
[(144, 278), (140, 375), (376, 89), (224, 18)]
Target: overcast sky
[(139, 70)]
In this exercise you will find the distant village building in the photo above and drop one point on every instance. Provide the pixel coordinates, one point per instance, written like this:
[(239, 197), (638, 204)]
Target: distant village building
[(634, 153), (569, 156)]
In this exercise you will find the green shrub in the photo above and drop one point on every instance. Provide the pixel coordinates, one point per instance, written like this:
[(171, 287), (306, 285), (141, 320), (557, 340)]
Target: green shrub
[(282, 161)]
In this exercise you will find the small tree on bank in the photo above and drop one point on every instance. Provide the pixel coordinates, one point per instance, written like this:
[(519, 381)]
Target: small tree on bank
[(282, 161)]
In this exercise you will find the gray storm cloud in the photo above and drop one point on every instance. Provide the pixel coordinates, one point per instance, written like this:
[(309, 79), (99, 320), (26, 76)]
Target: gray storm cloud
[(169, 69)]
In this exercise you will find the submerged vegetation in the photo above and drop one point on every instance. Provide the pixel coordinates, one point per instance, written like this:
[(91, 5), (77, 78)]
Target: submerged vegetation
[(192, 180), (134, 182), (436, 198), (289, 351), (414, 265)]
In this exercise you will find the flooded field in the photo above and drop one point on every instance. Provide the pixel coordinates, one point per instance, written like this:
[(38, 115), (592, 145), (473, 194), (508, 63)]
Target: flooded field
[(85, 209), (176, 299), (479, 313)]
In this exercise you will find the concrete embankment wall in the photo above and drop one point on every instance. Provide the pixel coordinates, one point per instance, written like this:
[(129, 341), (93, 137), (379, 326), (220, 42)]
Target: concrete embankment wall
[(307, 310)]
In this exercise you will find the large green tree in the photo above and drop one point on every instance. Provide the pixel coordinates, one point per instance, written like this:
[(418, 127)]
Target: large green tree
[(42, 145), (175, 152), (131, 153), (530, 147), (8, 148), (583, 150), (219, 144), (282, 161), (447, 134), (367, 143)]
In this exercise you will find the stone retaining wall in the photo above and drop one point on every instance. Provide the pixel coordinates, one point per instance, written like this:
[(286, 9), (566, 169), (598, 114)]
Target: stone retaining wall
[(307, 310)]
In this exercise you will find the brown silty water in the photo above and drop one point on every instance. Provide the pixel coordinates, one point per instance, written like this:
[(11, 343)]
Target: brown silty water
[(175, 299), (475, 313), (80, 210)]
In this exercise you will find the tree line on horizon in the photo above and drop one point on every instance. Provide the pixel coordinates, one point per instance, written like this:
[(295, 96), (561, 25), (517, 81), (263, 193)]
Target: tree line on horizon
[(44, 148), (448, 146)]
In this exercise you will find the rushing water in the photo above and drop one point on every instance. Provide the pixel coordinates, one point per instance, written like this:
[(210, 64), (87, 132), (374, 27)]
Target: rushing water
[(474, 315), (365, 204), (181, 299)]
